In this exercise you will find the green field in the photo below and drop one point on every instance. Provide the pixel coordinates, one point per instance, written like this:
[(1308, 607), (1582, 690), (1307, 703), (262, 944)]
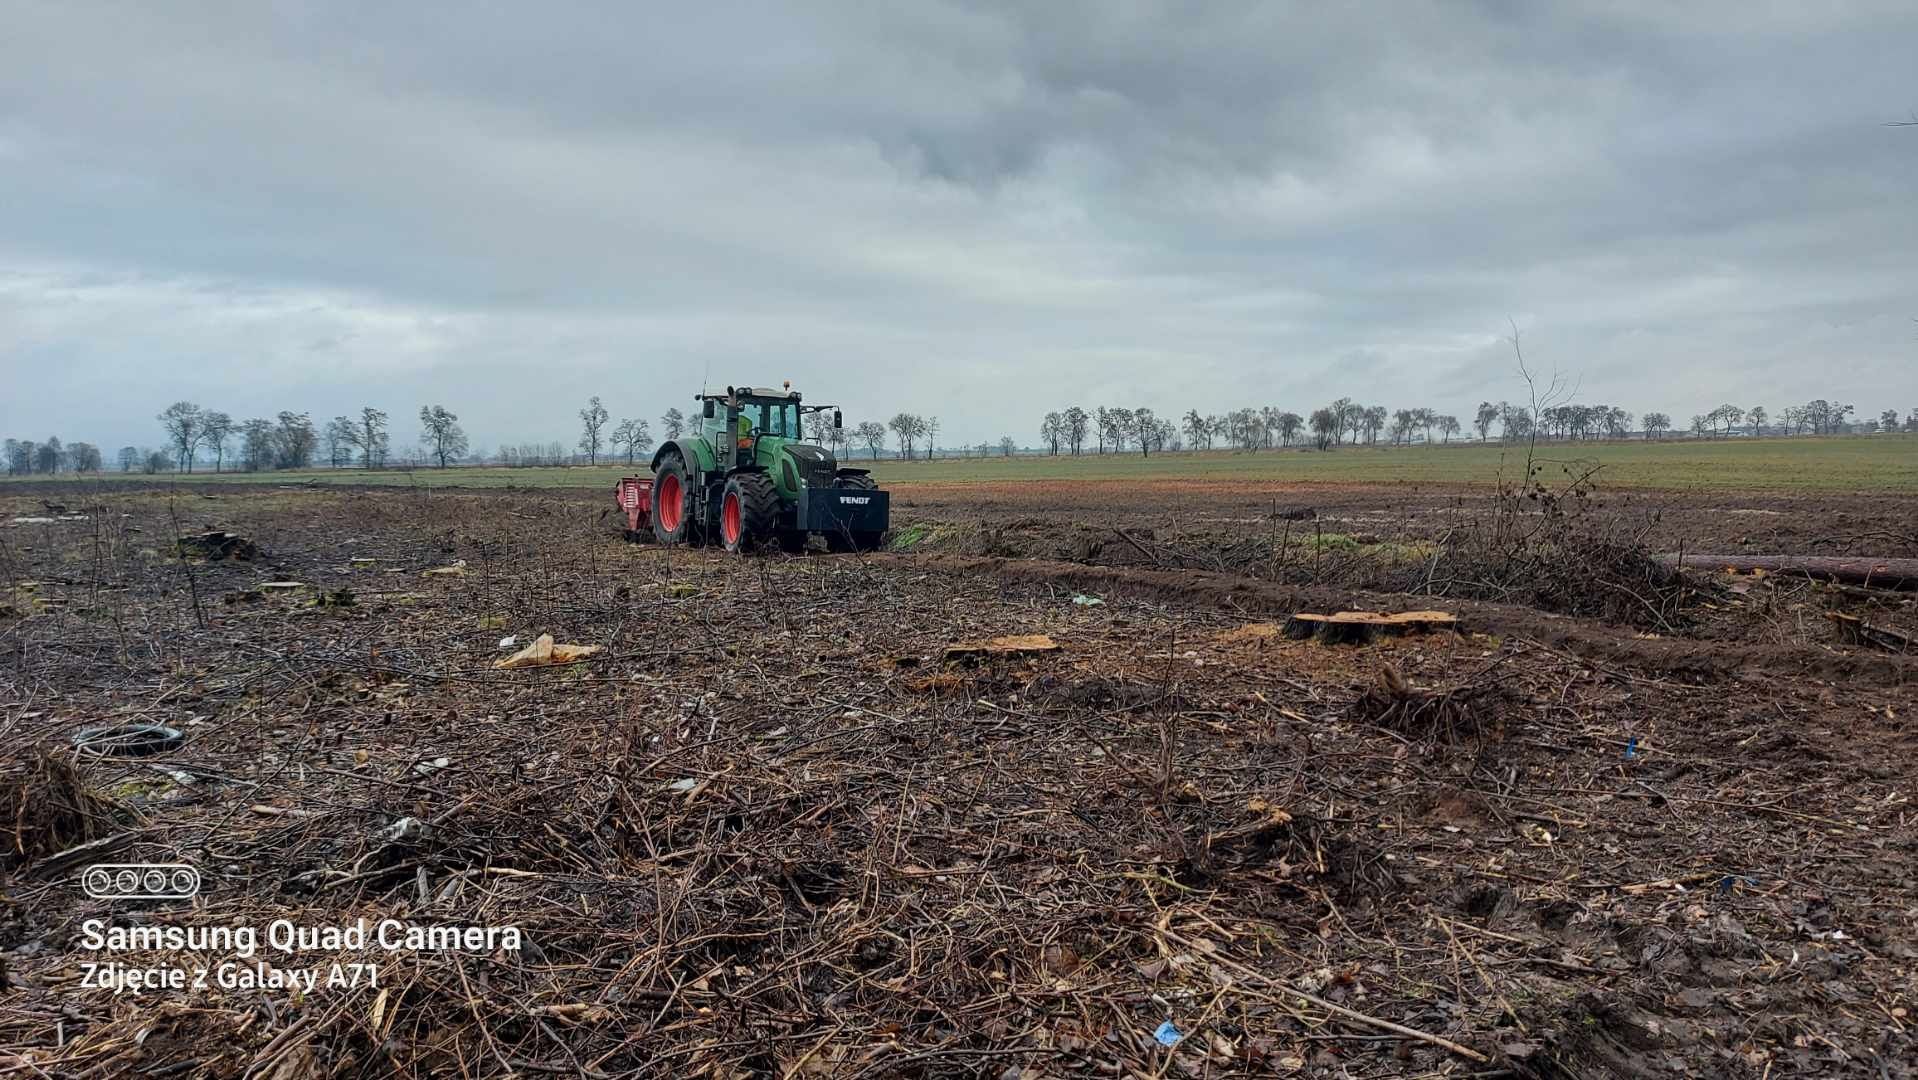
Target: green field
[(1855, 463)]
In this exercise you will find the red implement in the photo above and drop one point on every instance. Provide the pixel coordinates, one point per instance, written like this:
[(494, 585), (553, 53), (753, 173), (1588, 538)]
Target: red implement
[(634, 494)]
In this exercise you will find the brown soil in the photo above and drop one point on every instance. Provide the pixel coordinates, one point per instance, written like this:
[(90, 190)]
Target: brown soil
[(1778, 522), (769, 831)]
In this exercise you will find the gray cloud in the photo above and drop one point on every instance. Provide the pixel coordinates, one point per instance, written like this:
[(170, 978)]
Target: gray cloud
[(979, 211)]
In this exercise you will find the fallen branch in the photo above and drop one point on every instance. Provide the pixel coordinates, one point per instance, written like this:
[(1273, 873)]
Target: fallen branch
[(1877, 573), (1335, 1009)]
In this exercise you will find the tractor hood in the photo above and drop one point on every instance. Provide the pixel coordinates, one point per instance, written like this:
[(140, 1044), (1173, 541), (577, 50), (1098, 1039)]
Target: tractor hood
[(798, 465)]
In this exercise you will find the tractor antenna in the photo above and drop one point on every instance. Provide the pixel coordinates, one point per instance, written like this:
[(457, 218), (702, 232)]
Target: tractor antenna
[(704, 375)]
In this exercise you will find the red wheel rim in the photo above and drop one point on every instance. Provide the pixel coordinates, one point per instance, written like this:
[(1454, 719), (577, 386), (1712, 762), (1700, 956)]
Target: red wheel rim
[(729, 518), (671, 503)]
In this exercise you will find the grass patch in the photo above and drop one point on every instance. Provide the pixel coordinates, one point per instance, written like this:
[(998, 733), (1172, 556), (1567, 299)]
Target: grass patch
[(911, 536), (1861, 463)]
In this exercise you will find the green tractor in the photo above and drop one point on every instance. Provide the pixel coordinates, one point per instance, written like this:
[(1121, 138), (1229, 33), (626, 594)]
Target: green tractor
[(744, 479)]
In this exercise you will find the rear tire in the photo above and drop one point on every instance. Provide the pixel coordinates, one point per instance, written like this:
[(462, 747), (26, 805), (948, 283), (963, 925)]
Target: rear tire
[(674, 505), (748, 512)]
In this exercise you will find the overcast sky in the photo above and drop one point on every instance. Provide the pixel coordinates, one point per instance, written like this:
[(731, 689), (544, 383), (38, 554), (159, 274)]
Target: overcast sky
[(977, 211)]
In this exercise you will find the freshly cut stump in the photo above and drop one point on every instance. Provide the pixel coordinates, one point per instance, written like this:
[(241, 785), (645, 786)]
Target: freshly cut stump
[(1363, 627)]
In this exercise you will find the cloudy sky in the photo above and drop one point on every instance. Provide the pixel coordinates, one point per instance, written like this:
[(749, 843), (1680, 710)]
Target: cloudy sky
[(979, 211)]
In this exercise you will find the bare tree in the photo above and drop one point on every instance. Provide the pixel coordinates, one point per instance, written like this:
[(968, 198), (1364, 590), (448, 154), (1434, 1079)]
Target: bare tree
[(51, 457), (1290, 424), (441, 432), (834, 438), (181, 420), (672, 424), (1554, 394), (256, 444), (873, 434), (906, 428), (634, 435), (592, 420), (294, 440), (1145, 429), (1372, 418), (1076, 423), (215, 429), (1007, 446), (1484, 418), (929, 427), (342, 438), (372, 438), (1053, 430), (1196, 429), (1326, 426)]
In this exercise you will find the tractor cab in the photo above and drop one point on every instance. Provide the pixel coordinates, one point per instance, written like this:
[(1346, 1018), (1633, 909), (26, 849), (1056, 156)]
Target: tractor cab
[(749, 426)]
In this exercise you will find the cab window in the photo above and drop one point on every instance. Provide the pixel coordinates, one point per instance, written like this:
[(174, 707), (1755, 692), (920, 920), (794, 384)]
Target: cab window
[(782, 420)]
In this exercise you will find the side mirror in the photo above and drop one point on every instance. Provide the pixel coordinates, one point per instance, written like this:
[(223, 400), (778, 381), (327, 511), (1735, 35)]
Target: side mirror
[(838, 421), (709, 408)]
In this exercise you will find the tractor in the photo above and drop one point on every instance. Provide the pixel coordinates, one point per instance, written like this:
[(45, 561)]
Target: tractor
[(744, 480)]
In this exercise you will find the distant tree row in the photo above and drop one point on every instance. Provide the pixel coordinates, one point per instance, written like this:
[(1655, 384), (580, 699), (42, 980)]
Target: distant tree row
[(1112, 428), (291, 441), (1346, 421), (26, 457)]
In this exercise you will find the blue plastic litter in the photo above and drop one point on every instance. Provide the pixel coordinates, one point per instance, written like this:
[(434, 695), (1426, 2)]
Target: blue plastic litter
[(1631, 748), (1168, 1034)]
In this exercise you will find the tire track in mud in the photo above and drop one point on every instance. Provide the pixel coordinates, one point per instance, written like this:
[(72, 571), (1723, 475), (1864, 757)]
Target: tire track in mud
[(1594, 642)]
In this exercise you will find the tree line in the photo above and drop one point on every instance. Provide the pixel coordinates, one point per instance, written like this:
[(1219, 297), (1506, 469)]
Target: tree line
[(1346, 422), (291, 440), (25, 457)]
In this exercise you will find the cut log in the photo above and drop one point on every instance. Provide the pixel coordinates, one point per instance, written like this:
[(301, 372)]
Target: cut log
[(1361, 627), (1872, 572), (1011, 645)]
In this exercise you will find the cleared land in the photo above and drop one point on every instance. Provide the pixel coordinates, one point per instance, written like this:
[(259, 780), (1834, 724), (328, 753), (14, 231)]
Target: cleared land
[(1623, 825), (1804, 464)]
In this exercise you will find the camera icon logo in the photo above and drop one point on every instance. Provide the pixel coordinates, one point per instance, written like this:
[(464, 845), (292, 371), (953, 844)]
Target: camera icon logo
[(141, 881)]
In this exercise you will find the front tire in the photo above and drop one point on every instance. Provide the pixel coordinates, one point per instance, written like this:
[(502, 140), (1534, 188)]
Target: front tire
[(748, 512), (674, 518)]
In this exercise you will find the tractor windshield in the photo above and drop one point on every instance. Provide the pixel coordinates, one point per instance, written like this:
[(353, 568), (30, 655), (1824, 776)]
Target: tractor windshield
[(775, 418)]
